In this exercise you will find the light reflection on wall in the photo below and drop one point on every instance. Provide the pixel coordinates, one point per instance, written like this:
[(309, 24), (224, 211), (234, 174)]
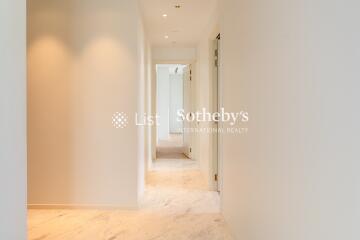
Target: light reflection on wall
[(82, 66)]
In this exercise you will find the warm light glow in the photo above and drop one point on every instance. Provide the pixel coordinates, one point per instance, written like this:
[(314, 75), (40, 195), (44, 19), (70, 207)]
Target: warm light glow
[(166, 37), (164, 15)]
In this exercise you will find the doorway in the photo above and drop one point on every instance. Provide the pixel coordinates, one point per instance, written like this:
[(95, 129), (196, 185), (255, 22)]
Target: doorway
[(171, 97)]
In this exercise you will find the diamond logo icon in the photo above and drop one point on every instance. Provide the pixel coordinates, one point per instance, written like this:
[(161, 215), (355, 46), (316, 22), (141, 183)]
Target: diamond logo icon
[(119, 120)]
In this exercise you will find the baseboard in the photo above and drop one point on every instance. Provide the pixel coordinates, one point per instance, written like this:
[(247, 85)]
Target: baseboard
[(74, 206)]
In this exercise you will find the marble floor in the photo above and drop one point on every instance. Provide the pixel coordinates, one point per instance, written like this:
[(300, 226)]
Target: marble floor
[(171, 147), (175, 206), (173, 140)]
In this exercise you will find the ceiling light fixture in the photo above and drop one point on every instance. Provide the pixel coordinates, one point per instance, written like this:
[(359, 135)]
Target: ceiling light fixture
[(166, 36), (164, 15)]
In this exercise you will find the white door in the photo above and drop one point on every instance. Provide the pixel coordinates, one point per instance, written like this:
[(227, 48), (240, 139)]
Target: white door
[(187, 135)]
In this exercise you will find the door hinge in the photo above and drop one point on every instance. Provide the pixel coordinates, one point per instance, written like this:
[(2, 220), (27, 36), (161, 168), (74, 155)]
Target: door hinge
[(216, 57), (216, 177), (190, 149)]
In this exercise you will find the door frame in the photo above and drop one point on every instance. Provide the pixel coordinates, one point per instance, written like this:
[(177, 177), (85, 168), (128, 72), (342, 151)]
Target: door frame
[(187, 149), (221, 124), (216, 156), (153, 142)]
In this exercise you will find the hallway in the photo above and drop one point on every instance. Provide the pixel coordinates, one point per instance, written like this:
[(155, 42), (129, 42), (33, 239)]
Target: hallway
[(171, 148), (176, 206)]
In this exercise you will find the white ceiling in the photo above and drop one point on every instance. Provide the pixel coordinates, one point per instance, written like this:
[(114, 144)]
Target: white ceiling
[(184, 26)]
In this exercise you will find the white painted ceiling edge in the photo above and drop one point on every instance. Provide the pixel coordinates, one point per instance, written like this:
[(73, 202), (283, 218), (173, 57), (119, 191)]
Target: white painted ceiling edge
[(181, 25), (174, 54)]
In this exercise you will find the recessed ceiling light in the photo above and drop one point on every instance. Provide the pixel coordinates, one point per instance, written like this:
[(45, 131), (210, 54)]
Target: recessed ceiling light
[(166, 36), (164, 15), (177, 6)]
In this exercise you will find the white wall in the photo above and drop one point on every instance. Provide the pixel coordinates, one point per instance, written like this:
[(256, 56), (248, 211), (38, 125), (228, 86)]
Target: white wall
[(294, 65), (153, 103), (83, 65), (141, 109), (173, 54), (13, 119), (149, 107), (163, 99), (176, 102)]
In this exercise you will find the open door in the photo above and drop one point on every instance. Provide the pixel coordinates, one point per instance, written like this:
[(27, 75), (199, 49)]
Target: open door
[(187, 135)]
